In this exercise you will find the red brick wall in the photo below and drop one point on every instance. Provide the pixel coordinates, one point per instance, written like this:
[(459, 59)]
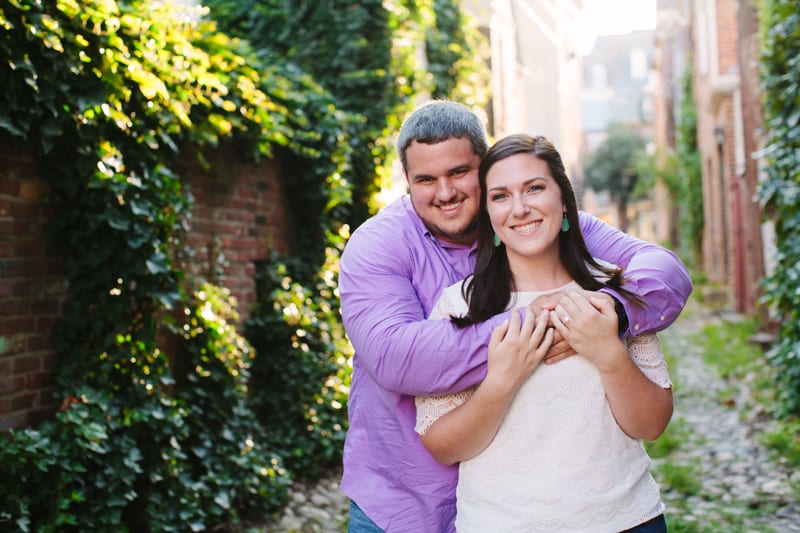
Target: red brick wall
[(31, 287), (238, 212), (727, 36)]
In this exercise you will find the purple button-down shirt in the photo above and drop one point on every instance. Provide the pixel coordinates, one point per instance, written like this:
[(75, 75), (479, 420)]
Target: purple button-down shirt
[(391, 275)]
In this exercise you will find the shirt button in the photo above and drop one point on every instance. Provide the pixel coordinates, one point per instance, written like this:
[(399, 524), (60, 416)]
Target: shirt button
[(636, 327), (662, 318)]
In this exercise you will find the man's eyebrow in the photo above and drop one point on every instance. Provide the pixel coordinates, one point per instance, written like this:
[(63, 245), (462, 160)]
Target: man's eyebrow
[(460, 168), (417, 177)]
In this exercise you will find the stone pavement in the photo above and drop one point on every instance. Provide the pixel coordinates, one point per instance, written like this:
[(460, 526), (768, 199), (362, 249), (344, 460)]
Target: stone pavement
[(738, 473)]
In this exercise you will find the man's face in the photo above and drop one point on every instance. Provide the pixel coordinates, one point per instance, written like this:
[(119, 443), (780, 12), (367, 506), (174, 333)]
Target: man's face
[(443, 183)]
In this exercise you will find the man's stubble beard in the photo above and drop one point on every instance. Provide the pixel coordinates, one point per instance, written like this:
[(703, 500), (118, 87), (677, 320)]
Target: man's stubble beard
[(467, 233)]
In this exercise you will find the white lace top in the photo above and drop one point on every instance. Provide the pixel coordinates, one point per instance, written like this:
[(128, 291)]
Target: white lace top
[(559, 461)]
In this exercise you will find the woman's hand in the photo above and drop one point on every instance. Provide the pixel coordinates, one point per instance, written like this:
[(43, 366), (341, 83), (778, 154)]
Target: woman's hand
[(588, 321), (515, 350), (560, 348)]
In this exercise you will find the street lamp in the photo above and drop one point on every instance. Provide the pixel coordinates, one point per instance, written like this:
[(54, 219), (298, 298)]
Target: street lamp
[(719, 135)]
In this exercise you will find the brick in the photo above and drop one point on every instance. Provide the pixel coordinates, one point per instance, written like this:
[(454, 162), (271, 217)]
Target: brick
[(26, 364), (15, 307), (38, 380), (32, 190), (39, 343), (9, 187), (10, 420), (23, 401), (11, 384), (16, 325)]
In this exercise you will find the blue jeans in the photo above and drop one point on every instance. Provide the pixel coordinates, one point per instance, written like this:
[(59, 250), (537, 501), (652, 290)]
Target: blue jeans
[(654, 525), (360, 522)]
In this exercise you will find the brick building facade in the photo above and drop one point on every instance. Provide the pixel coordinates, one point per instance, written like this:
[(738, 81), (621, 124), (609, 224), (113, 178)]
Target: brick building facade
[(729, 121), (718, 41), (238, 213)]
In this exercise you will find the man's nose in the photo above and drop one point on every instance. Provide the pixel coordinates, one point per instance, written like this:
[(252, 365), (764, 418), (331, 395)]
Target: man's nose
[(445, 190)]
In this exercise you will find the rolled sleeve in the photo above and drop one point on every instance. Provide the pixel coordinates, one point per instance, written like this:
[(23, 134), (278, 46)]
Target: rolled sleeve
[(386, 323), (653, 272)]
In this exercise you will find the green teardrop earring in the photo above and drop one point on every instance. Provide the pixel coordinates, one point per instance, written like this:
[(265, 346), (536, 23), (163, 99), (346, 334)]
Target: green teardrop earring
[(564, 223), (496, 240)]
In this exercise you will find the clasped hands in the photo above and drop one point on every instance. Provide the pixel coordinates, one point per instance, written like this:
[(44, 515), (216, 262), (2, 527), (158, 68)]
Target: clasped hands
[(552, 328)]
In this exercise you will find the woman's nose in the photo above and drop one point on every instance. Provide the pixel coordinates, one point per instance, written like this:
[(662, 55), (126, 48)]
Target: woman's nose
[(520, 207)]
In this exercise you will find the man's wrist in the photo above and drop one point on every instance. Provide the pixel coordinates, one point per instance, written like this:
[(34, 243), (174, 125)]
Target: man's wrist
[(622, 316)]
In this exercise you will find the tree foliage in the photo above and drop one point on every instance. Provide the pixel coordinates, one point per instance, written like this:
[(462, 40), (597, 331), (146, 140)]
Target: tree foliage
[(614, 167), (365, 54), (780, 192)]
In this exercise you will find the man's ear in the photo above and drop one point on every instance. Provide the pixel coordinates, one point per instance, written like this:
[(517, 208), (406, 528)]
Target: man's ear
[(408, 183)]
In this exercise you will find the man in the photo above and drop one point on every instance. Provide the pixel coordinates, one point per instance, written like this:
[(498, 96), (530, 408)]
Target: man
[(392, 272)]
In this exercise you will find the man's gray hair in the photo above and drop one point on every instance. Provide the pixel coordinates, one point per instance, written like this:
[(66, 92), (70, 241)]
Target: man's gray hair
[(437, 121)]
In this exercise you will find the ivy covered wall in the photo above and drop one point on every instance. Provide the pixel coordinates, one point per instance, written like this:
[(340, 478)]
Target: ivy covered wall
[(175, 411), (779, 22)]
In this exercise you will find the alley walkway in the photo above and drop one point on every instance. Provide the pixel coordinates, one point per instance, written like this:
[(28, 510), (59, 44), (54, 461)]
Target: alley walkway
[(743, 489), (741, 482)]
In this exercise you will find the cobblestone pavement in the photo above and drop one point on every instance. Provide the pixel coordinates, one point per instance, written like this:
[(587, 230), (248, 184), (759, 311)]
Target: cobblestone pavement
[(740, 478), (742, 482)]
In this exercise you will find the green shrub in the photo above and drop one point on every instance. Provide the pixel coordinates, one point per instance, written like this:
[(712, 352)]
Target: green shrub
[(301, 375), (193, 459), (147, 440)]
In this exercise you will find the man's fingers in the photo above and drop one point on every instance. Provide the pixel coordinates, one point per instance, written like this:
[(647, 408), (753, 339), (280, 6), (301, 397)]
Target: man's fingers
[(546, 343), (553, 359), (602, 304), (561, 319)]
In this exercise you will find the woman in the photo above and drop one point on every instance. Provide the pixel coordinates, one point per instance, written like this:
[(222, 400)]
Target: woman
[(547, 447)]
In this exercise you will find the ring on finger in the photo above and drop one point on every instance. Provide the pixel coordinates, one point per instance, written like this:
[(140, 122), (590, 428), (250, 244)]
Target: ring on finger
[(566, 319)]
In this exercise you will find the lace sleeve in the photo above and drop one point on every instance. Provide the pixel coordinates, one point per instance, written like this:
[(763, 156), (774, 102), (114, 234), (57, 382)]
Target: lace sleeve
[(646, 352), (430, 408)]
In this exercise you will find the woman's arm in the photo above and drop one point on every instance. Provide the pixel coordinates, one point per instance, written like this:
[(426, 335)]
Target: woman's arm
[(514, 353), (641, 407)]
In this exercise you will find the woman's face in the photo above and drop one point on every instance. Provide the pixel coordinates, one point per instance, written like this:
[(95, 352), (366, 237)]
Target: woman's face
[(524, 205)]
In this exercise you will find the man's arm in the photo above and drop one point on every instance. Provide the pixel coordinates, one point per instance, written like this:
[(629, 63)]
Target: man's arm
[(386, 323), (654, 273)]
